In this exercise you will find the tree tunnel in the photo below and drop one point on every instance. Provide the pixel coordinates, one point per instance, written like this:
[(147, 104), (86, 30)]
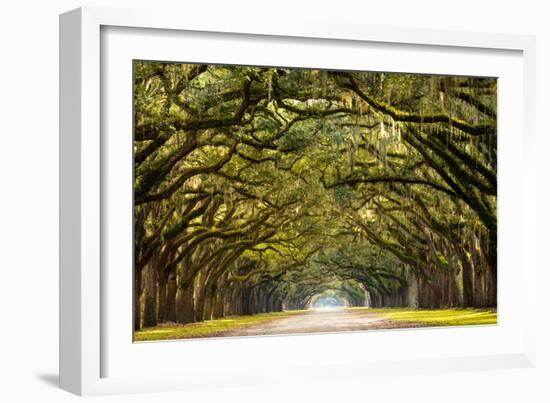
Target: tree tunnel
[(266, 189), (329, 299)]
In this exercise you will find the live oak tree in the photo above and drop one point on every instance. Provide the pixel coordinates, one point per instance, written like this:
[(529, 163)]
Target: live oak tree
[(258, 189)]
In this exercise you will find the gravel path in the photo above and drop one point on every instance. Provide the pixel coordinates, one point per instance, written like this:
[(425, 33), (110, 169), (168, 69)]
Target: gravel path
[(320, 321)]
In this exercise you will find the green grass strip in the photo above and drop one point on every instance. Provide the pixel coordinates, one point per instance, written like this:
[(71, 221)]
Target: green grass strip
[(438, 317), (206, 328)]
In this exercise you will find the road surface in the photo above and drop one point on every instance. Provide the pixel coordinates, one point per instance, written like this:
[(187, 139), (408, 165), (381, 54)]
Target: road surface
[(317, 321)]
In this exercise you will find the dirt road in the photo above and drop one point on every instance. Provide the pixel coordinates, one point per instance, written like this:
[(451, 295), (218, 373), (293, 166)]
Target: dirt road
[(319, 321)]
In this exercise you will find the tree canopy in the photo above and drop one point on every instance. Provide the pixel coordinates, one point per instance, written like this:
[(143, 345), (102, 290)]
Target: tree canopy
[(258, 188)]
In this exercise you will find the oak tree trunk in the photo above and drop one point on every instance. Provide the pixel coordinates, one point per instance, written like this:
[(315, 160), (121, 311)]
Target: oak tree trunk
[(150, 295)]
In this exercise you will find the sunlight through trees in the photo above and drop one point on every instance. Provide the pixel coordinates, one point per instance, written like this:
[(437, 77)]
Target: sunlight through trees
[(257, 189)]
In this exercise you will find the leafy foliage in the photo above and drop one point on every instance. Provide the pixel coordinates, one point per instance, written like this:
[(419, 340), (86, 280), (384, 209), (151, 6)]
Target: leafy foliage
[(286, 183)]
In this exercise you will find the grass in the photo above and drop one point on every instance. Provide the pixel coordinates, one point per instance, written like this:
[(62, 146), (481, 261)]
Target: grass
[(426, 317), (438, 317), (207, 328)]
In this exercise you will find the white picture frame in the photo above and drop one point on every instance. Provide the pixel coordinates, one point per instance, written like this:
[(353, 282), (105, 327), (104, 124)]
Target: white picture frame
[(87, 344)]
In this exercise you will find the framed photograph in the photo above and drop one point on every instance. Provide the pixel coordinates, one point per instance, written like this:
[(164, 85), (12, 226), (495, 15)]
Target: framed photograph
[(237, 197)]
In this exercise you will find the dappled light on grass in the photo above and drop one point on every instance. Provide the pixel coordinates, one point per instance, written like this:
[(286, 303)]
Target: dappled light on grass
[(439, 317), (207, 328), (371, 318)]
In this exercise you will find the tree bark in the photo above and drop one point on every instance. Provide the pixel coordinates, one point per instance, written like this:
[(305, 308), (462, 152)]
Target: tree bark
[(185, 312), (219, 302), (200, 296), (162, 297), (171, 290), (137, 300), (479, 289), (467, 281), (208, 303), (150, 295), (492, 270)]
